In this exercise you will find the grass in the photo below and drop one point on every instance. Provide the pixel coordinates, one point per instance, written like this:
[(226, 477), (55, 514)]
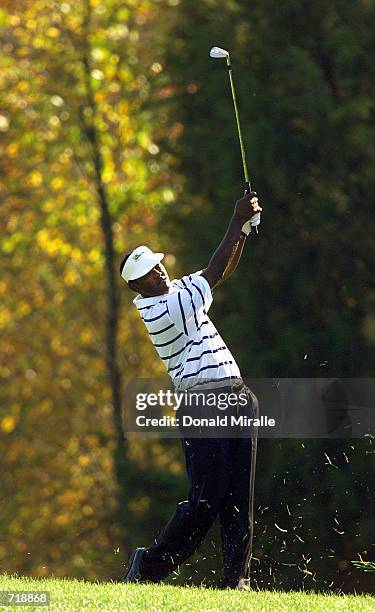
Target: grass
[(82, 596)]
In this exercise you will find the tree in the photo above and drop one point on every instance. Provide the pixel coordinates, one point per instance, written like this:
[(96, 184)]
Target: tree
[(78, 157)]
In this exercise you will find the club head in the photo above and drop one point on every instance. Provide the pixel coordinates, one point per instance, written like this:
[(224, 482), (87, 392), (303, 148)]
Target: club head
[(217, 52)]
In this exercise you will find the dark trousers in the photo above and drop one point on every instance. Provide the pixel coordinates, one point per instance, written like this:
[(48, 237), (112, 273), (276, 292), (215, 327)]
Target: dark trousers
[(220, 484)]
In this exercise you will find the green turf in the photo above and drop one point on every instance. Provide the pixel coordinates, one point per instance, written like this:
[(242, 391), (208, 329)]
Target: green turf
[(111, 596)]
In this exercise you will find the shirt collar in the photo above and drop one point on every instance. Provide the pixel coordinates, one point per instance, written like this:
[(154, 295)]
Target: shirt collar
[(141, 302)]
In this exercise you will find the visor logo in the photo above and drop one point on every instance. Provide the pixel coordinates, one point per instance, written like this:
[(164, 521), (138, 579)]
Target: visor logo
[(137, 256)]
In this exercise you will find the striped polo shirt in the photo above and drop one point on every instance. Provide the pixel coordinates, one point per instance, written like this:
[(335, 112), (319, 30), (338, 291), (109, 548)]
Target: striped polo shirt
[(185, 338)]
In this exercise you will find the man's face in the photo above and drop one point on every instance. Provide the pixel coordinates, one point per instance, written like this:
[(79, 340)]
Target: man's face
[(155, 282)]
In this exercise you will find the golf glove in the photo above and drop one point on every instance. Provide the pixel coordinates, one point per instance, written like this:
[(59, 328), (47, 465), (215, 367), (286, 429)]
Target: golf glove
[(252, 222)]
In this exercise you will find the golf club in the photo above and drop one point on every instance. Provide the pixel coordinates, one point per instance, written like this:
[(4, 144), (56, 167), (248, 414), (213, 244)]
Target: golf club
[(219, 53)]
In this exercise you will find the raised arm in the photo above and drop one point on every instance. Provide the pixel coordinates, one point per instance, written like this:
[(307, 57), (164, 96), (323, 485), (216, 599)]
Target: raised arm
[(227, 255), (234, 258)]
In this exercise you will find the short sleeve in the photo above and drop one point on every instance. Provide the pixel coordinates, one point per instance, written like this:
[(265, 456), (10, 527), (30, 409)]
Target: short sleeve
[(189, 305)]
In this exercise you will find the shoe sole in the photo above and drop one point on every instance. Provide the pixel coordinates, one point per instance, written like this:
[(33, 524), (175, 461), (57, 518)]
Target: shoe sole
[(137, 575)]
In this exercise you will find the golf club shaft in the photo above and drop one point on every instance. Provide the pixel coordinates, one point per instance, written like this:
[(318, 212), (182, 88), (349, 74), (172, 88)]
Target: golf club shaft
[(243, 155), (254, 440)]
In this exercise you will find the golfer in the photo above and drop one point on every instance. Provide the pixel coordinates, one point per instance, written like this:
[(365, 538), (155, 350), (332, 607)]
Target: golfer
[(197, 358)]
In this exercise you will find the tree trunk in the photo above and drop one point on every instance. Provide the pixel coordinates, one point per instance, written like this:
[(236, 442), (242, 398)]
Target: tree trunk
[(120, 453)]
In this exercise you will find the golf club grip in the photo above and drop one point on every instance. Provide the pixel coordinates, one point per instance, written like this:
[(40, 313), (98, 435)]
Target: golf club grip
[(248, 190)]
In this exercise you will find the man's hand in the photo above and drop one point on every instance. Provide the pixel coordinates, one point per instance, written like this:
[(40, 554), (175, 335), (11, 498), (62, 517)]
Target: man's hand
[(247, 206)]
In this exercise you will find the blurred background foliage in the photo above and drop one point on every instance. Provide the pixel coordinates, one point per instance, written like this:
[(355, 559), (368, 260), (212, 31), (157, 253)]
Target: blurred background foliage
[(117, 103)]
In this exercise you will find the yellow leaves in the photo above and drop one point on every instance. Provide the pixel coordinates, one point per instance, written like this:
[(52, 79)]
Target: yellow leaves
[(92, 441), (80, 220), (10, 243), (55, 167), (89, 398), (137, 228), (49, 135), (23, 86), (12, 149), (54, 121), (66, 383), (23, 309), (13, 20), (76, 254), (5, 317), (56, 280), (99, 54), (106, 464), (58, 347), (64, 157), (13, 223), (49, 205), (123, 107), (118, 32), (99, 97), (86, 336), (53, 32), (84, 460), (95, 255), (108, 175), (62, 519), (114, 87), (143, 139), (168, 195), (134, 169), (51, 244), (58, 298), (71, 277), (57, 183), (39, 298), (42, 238), (31, 24), (8, 424), (38, 42), (23, 51), (35, 179)]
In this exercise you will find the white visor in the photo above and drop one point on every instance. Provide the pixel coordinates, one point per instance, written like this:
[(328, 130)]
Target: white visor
[(139, 262)]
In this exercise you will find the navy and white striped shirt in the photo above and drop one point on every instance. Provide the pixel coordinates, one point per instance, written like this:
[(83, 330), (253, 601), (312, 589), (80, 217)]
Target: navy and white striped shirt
[(188, 343)]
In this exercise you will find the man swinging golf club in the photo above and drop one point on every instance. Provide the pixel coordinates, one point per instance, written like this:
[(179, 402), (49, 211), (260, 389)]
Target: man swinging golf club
[(220, 469)]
